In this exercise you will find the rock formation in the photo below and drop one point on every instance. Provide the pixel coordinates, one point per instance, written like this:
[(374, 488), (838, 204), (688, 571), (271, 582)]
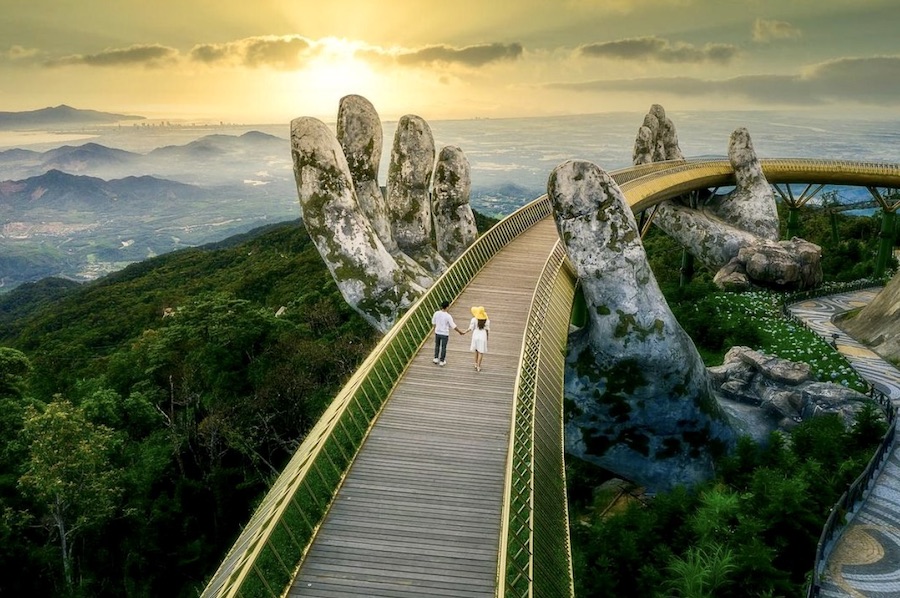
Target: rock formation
[(643, 404), (361, 137), (454, 222), (878, 323), (751, 206), (784, 391), (656, 140), (366, 274), (736, 226), (784, 264), (408, 186), (379, 250)]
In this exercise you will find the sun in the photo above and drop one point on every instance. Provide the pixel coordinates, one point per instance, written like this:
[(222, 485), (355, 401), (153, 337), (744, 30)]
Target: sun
[(337, 67), (334, 72)]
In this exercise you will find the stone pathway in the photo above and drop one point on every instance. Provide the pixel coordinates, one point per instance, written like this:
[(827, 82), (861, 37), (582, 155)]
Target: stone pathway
[(865, 562)]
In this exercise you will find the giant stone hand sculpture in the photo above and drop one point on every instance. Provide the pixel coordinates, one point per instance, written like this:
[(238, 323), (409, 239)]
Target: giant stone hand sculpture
[(735, 235), (380, 250), (643, 404)]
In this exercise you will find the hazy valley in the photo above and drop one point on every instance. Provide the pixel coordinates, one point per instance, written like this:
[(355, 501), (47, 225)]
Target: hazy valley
[(83, 193)]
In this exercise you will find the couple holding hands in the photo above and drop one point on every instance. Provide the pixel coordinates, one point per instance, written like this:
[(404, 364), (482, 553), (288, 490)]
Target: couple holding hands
[(479, 326)]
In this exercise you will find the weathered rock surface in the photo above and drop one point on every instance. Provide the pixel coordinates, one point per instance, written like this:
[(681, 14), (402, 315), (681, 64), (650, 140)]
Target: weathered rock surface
[(408, 186), (656, 140), (644, 408), (366, 274), (710, 239), (333, 182), (742, 223), (794, 264), (454, 221), (878, 323), (751, 206), (361, 137), (785, 391)]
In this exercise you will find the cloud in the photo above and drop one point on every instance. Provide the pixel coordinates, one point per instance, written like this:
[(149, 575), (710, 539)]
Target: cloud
[(150, 55), (286, 52), (471, 56), (623, 6), (16, 53), (871, 81), (766, 31), (661, 50)]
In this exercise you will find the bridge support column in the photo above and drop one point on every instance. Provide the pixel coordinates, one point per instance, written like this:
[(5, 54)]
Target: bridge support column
[(687, 268), (793, 222), (835, 234), (886, 244), (889, 203), (794, 204)]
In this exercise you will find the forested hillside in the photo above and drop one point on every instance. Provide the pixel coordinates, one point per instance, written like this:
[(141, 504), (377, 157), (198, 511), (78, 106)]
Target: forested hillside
[(167, 396)]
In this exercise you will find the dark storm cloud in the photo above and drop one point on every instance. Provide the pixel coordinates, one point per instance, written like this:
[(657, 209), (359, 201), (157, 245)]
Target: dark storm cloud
[(874, 81), (661, 50), (151, 55), (284, 52), (473, 56)]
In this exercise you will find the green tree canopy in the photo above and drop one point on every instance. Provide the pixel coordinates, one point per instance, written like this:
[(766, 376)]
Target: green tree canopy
[(70, 473)]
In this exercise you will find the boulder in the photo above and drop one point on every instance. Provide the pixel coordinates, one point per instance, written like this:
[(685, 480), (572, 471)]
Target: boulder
[(796, 263), (784, 391), (454, 221), (643, 406)]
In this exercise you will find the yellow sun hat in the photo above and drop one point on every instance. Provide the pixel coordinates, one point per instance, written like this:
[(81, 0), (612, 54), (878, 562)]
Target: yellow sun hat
[(479, 313)]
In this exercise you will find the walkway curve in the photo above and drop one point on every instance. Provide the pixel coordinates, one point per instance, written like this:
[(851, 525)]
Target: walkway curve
[(865, 562)]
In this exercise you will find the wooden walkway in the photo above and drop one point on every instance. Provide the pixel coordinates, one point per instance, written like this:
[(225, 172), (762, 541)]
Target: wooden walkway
[(419, 513)]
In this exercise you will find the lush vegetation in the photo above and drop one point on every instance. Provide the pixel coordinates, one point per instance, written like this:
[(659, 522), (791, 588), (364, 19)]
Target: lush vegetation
[(753, 530), (144, 414)]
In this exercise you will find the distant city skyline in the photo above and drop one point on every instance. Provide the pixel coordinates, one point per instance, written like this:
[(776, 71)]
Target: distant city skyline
[(272, 60)]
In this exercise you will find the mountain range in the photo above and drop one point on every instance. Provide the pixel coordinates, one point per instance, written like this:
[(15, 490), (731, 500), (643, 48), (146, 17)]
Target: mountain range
[(83, 211), (59, 116), (251, 159)]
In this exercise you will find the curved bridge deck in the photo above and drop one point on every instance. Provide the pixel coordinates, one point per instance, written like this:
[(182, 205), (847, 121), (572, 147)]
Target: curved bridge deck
[(419, 512)]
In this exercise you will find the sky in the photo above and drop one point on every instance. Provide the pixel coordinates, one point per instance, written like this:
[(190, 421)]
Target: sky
[(268, 61)]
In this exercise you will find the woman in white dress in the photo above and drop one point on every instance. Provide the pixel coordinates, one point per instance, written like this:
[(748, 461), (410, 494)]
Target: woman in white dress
[(480, 327)]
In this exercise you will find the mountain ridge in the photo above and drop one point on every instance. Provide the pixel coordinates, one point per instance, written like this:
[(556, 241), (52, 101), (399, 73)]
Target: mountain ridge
[(60, 116)]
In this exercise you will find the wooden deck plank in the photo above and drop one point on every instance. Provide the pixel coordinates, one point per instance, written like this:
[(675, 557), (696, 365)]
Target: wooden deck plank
[(419, 512)]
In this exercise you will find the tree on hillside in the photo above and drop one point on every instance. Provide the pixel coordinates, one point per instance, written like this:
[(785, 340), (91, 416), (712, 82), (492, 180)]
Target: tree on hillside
[(14, 370), (69, 473)]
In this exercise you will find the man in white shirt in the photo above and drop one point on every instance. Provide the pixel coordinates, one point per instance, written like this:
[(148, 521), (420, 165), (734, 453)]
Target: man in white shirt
[(443, 323)]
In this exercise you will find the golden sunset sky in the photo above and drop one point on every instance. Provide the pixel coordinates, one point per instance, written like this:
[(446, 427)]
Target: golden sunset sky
[(267, 61)]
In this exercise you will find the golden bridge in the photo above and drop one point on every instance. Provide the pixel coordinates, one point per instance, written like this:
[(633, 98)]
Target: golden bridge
[(427, 481)]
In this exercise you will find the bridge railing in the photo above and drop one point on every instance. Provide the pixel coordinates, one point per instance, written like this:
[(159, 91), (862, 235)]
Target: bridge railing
[(266, 555), (535, 556), (844, 509)]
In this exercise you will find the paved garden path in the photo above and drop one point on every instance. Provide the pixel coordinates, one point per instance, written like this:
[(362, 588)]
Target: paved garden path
[(865, 562)]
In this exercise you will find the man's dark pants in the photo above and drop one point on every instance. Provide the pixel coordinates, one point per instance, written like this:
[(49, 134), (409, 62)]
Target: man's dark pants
[(440, 346)]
